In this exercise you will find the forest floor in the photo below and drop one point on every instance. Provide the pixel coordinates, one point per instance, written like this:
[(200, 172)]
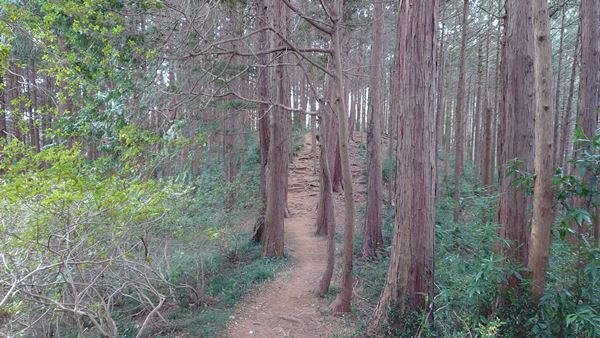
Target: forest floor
[(287, 306)]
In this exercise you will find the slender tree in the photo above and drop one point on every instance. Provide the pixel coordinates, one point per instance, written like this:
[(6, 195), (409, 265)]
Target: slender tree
[(566, 126), (587, 115), (461, 112), (558, 87), (543, 211), (343, 300), (328, 207), (439, 111), (328, 138), (372, 236), (262, 111)]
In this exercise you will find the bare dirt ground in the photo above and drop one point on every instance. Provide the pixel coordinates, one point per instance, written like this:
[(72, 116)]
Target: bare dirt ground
[(286, 306)]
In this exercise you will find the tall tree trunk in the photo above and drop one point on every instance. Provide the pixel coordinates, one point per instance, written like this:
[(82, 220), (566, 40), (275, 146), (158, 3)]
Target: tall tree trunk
[(587, 114), (328, 209), (543, 211), (448, 138), (517, 129), (439, 113), (478, 112), (34, 131), (391, 149), (263, 79), (486, 126), (372, 236), (313, 135), (499, 97), (338, 181), (461, 111), (302, 92), (16, 93), (343, 300), (328, 132), (410, 276), (487, 171), (393, 136), (566, 142), (353, 107), (557, 119), (273, 244), (231, 116)]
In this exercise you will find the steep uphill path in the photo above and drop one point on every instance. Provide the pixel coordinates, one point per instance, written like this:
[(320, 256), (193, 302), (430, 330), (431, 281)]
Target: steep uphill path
[(286, 306)]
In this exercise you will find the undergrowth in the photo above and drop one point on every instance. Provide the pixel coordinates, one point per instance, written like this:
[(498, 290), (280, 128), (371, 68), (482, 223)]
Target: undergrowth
[(469, 271), (227, 284)]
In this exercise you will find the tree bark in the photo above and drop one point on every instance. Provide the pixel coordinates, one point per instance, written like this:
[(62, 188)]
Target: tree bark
[(313, 135), (410, 276), (543, 210), (372, 236), (566, 142), (328, 208), (487, 171), (353, 108), (587, 114), (461, 112), (328, 138), (273, 244), (557, 119), (342, 303), (263, 78), (439, 111), (499, 98), (517, 129), (338, 181), (478, 112)]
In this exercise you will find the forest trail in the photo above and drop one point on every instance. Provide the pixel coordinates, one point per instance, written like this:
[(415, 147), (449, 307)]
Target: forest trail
[(286, 306)]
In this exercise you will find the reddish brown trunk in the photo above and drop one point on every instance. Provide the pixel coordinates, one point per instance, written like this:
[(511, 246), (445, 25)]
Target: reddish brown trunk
[(263, 80), (410, 277), (557, 119), (273, 235), (461, 113), (338, 185), (313, 134), (477, 120), (329, 221), (517, 129), (392, 137), (372, 236), (587, 115), (439, 113), (487, 173), (342, 303), (327, 139), (566, 133)]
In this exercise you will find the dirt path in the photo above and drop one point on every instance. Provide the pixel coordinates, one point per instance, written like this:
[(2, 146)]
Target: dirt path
[(286, 307)]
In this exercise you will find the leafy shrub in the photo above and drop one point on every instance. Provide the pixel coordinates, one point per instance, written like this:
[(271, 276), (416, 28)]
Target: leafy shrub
[(74, 242)]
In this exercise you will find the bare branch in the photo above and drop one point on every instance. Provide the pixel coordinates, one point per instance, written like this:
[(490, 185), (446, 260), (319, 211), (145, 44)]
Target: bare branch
[(323, 27)]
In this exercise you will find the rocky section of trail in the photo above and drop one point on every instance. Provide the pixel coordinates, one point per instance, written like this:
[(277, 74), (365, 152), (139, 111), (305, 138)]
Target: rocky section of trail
[(286, 306)]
